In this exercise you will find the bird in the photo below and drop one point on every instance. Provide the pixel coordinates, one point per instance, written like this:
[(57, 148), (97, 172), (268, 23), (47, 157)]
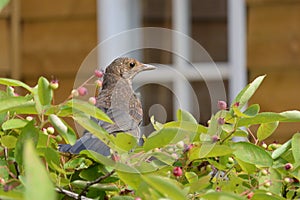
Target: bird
[(119, 101)]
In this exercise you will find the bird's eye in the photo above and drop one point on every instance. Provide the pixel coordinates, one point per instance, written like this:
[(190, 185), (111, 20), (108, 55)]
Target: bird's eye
[(132, 64)]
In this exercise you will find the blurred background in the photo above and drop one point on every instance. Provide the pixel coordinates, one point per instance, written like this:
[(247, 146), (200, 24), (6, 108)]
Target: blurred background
[(244, 38)]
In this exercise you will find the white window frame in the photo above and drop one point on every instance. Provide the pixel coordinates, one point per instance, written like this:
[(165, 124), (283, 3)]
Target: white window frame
[(117, 16)]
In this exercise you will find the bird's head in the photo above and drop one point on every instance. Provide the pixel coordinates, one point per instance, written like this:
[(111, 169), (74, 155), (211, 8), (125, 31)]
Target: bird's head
[(127, 68)]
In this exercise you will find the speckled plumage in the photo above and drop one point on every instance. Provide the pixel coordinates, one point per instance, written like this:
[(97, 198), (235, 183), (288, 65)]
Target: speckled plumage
[(118, 100)]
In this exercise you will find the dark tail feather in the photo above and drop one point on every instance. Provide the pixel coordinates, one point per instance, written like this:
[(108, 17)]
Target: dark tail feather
[(89, 142)]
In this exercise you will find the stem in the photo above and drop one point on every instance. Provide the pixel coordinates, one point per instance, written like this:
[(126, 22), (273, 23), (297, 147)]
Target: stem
[(98, 180)]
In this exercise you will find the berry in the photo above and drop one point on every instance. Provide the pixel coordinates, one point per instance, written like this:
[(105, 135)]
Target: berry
[(215, 138), (177, 171), (222, 105), (92, 100), (29, 118), (221, 121), (264, 172), (138, 198), (75, 93), (115, 157), (54, 84), (267, 183), (288, 180), (250, 195), (180, 144), (187, 147), (50, 130), (174, 155), (98, 73), (236, 104), (264, 145), (58, 138), (98, 83), (288, 166), (230, 160), (82, 91)]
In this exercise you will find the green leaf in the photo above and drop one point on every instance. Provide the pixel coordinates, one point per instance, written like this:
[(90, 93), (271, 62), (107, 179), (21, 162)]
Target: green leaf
[(125, 141), (156, 125), (183, 115), (95, 129), (215, 151), (15, 104), (12, 82), (253, 154), (265, 130), (252, 110), (14, 124), (243, 97), (282, 149), (164, 137), (268, 117), (63, 129), (45, 92), (221, 196), (89, 109), (29, 132), (134, 180), (77, 163), (200, 184), (296, 146), (11, 195), (122, 198), (37, 185), (247, 167), (264, 196), (52, 156), (9, 141), (166, 186), (191, 176)]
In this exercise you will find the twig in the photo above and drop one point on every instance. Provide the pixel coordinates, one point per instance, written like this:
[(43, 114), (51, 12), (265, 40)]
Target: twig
[(98, 180), (71, 194)]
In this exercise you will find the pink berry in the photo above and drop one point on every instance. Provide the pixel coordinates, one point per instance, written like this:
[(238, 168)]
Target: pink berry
[(98, 83), (187, 147), (215, 138), (222, 105), (177, 171), (221, 121), (92, 100), (82, 91), (138, 198), (288, 166), (98, 73)]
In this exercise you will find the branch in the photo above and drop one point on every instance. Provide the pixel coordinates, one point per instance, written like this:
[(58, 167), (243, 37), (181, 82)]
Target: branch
[(98, 180), (71, 194)]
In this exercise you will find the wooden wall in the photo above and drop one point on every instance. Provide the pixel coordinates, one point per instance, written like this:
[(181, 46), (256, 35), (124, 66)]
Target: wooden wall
[(274, 49), (55, 38)]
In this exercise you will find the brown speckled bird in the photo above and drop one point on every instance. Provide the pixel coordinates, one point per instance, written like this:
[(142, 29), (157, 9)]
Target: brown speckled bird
[(118, 100)]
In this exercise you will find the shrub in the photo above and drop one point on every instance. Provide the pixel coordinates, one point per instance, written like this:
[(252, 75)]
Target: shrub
[(179, 160)]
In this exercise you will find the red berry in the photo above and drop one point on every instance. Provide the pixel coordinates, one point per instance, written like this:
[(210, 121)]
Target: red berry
[(98, 73), (288, 166), (236, 104), (177, 171), (82, 91), (250, 195), (222, 105)]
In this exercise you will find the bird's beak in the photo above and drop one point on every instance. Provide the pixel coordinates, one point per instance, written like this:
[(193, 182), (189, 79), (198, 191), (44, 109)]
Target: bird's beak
[(147, 67)]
